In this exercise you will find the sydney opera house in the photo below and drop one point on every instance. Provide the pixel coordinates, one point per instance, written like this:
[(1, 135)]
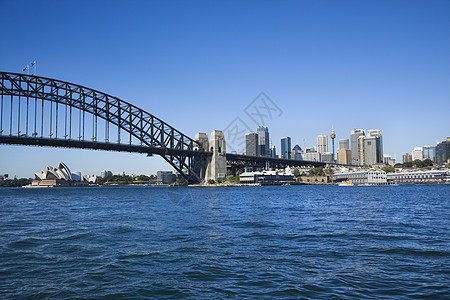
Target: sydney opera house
[(61, 176)]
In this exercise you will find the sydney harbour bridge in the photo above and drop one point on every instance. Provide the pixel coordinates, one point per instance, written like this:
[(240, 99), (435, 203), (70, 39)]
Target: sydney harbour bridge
[(41, 111)]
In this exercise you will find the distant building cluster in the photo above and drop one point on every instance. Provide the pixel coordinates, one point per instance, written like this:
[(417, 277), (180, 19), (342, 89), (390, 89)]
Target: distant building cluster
[(439, 153), (359, 150), (258, 143)]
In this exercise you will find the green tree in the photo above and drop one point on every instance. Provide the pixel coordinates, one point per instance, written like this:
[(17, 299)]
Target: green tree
[(389, 169), (181, 182), (211, 181), (316, 171), (427, 162), (15, 182), (296, 173)]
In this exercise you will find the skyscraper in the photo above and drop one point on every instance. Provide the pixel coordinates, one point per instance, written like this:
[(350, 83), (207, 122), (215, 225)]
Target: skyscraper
[(417, 153), (344, 144), (370, 148), (354, 135), (251, 144), (344, 156), (443, 151), (322, 144), (286, 147), (297, 153), (406, 158), (263, 140), (429, 152), (376, 133), (273, 151)]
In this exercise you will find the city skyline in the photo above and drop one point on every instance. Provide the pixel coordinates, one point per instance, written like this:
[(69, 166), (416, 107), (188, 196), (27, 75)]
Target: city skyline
[(357, 65)]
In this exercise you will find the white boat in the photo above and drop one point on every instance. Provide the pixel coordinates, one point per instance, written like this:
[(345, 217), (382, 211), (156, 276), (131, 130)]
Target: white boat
[(346, 183)]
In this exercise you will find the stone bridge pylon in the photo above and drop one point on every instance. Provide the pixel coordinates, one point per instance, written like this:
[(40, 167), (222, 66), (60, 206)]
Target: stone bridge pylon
[(212, 166)]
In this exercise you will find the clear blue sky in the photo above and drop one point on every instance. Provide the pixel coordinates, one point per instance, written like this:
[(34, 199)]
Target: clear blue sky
[(198, 64)]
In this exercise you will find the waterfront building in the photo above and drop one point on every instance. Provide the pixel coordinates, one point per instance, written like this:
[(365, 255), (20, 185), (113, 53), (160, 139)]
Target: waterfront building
[(429, 152), (428, 176), (297, 153), (59, 176), (311, 154), (406, 158), (165, 177), (344, 144), (443, 152), (354, 135), (364, 177), (286, 147), (263, 140), (322, 143), (344, 156), (252, 144), (417, 153), (266, 178)]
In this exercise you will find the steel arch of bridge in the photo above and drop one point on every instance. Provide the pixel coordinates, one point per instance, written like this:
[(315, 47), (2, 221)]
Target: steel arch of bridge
[(49, 99)]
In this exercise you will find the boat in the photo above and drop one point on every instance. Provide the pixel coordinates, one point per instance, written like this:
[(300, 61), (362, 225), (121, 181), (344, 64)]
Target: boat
[(346, 183)]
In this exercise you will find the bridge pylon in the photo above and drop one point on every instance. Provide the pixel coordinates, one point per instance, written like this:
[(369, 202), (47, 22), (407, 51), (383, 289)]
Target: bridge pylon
[(213, 166)]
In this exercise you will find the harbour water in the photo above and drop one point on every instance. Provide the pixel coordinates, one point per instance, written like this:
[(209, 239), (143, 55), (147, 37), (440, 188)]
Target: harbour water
[(319, 242)]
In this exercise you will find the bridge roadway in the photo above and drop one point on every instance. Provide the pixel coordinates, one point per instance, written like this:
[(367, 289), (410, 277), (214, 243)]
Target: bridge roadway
[(83, 144), (233, 160)]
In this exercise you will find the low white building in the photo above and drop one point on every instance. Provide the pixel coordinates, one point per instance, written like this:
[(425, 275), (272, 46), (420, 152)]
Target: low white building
[(364, 177), (266, 178), (429, 176)]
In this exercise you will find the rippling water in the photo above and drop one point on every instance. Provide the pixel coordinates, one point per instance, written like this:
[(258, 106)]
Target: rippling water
[(317, 242)]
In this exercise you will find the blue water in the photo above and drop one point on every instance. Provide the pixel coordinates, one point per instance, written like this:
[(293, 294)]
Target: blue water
[(320, 242)]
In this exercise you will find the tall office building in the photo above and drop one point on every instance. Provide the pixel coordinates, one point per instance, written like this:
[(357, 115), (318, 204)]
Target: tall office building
[(406, 158), (376, 133), (429, 152), (263, 142), (344, 156), (344, 144), (286, 147), (417, 153), (388, 160), (297, 153), (311, 154), (322, 143), (443, 151), (370, 148), (273, 151), (326, 157), (354, 135), (251, 144)]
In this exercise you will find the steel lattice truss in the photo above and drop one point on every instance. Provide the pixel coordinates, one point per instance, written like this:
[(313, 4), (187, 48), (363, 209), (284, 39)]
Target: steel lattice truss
[(136, 129)]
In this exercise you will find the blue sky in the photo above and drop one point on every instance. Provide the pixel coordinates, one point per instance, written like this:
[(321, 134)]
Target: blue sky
[(198, 64)]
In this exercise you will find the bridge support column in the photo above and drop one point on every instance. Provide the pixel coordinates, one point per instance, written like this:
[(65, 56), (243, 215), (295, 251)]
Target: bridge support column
[(201, 162), (217, 166)]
